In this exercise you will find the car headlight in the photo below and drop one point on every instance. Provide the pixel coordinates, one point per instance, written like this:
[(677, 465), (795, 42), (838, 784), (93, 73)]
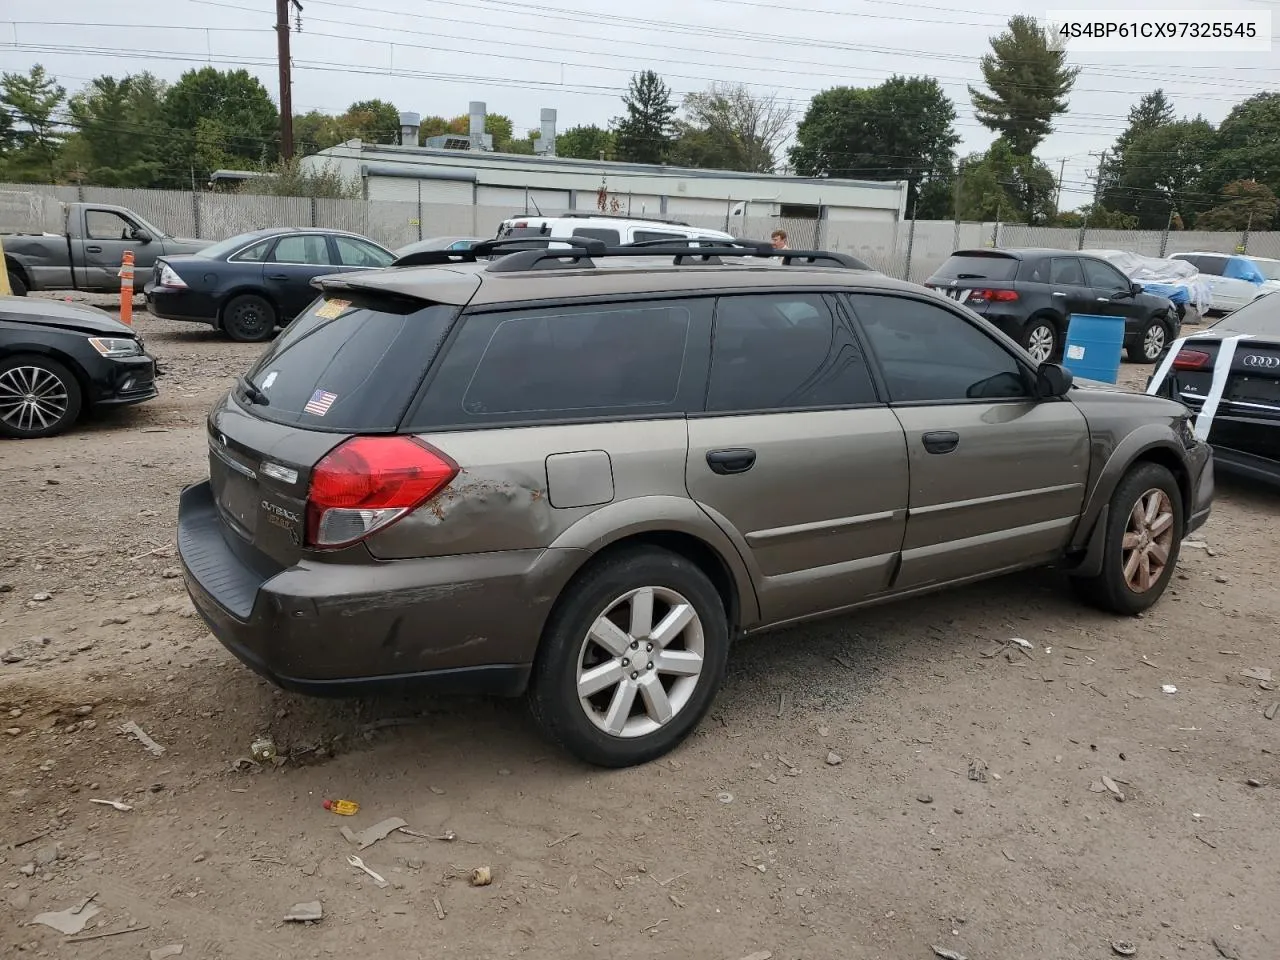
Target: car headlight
[(114, 347)]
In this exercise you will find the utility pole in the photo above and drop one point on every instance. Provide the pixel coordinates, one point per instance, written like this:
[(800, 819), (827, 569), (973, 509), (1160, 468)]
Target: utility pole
[(1097, 194), (1062, 170), (286, 75)]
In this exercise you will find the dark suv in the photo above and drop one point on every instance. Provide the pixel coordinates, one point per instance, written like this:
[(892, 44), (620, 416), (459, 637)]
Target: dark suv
[(581, 472), (1030, 294)]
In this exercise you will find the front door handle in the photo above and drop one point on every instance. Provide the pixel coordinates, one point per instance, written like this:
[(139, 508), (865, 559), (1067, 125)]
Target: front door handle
[(732, 460), (93, 249), (277, 276), (1058, 293), (941, 441)]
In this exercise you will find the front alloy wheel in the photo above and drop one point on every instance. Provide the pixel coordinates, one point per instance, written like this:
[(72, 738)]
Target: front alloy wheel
[(640, 662), (1148, 540), (38, 397)]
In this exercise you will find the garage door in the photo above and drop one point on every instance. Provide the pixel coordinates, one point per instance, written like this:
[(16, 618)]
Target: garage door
[(512, 199), (433, 191)]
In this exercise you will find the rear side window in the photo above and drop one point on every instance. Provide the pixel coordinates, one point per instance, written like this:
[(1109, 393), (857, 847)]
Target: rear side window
[(610, 237), (977, 267), (624, 359), (640, 236), (1213, 266), (350, 366), (255, 253), (784, 353)]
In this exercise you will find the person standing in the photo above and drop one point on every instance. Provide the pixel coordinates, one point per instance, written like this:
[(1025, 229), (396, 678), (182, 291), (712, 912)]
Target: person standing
[(779, 238)]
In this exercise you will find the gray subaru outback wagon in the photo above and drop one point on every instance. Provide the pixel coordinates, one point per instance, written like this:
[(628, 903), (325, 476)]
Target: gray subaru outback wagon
[(579, 473)]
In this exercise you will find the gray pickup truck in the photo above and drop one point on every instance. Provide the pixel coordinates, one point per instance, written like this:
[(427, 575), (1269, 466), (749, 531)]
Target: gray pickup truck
[(87, 254)]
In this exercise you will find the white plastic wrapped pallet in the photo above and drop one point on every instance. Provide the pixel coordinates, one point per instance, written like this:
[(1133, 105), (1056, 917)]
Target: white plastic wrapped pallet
[(1176, 273)]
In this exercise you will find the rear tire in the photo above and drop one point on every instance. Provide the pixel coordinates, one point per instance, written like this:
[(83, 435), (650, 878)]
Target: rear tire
[(1147, 346), (16, 285), (39, 397), (249, 318), (645, 687), (1143, 539), (1042, 340)]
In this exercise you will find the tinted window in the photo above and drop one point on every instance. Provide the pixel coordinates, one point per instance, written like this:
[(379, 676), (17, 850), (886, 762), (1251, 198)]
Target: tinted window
[(105, 225), (225, 248), (254, 253), (309, 248), (640, 236), (931, 354), (1103, 276), (1260, 317), (516, 232), (573, 361), (784, 352), (360, 253), (1066, 270), (608, 236), (977, 267), (1268, 268), (365, 359)]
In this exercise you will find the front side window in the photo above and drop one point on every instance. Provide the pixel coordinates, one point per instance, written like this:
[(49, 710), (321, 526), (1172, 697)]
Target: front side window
[(1104, 277), (105, 225), (305, 248), (931, 355), (623, 359), (1066, 270), (360, 253), (784, 352)]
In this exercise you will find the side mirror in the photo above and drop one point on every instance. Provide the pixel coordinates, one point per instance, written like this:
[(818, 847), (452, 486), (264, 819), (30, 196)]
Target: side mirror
[(140, 235), (1053, 380)]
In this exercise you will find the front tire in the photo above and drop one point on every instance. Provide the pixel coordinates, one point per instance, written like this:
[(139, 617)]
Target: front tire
[(249, 318), (18, 288), (1143, 539), (1150, 344), (1040, 339), (631, 659), (39, 397)]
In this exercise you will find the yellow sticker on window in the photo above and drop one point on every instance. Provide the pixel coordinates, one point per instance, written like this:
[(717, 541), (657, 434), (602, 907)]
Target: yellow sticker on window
[(332, 308)]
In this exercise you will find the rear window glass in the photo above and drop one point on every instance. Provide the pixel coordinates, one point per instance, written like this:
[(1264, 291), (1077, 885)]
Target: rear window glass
[(1260, 318), (350, 365), (525, 231), (599, 233), (978, 268)]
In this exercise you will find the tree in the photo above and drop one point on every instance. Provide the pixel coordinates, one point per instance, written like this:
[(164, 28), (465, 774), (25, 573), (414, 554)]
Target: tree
[(315, 131), (1249, 206), (1162, 172), (1001, 185), (729, 128), (1248, 145), (585, 143), (1097, 218), (1152, 111), (1028, 83), (218, 118), (902, 129), (32, 98), (372, 121), (118, 138), (643, 134), (288, 178)]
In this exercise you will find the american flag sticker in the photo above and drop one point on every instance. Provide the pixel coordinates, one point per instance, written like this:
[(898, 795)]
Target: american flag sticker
[(320, 403)]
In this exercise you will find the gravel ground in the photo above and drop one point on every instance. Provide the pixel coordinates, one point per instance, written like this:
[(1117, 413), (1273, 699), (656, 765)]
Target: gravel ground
[(866, 787)]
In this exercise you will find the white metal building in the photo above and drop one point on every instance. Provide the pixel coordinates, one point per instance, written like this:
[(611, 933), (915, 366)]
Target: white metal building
[(551, 184)]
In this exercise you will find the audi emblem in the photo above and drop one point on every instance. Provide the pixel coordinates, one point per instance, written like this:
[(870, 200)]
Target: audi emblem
[(1254, 360)]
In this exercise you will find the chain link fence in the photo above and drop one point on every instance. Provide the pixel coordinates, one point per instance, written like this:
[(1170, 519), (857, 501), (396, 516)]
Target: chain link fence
[(910, 250)]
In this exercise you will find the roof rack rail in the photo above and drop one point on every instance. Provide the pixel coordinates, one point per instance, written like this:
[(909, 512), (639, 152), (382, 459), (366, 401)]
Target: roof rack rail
[(585, 251), (588, 215), (485, 248)]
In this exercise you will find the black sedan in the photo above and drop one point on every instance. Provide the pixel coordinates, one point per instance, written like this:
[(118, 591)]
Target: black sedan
[(58, 361), (1229, 375), (252, 283)]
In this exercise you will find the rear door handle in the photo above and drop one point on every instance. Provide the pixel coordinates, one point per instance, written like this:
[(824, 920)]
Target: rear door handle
[(277, 276), (941, 441), (1058, 293), (93, 249), (732, 460)]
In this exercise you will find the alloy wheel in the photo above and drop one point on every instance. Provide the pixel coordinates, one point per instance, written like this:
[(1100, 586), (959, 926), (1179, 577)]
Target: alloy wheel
[(640, 662), (32, 398), (1040, 343), (1148, 540), (1153, 342)]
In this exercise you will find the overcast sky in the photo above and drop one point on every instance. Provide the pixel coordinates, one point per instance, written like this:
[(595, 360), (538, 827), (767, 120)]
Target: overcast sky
[(434, 56)]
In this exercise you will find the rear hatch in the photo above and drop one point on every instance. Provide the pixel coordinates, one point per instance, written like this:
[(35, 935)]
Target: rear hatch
[(350, 365), (977, 278)]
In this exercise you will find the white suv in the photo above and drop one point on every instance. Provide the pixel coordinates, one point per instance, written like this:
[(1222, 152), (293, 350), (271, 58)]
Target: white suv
[(1228, 288), (614, 231)]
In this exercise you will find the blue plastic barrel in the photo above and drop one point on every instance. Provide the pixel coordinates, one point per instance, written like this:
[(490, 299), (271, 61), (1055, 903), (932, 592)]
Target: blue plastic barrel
[(1093, 348)]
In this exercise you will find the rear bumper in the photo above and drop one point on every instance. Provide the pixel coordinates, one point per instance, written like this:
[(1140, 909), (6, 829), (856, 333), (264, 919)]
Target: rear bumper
[(465, 624), (184, 305)]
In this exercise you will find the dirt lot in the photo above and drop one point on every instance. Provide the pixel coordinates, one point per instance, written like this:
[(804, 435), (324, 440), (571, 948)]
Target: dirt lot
[(749, 838)]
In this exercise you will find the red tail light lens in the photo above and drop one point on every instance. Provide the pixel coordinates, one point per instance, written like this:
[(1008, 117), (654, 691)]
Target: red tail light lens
[(995, 296), (1191, 360), (368, 483)]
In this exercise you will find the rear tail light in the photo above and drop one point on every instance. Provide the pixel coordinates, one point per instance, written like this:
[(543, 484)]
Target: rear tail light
[(368, 483), (994, 296), (1191, 360), (169, 277)]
